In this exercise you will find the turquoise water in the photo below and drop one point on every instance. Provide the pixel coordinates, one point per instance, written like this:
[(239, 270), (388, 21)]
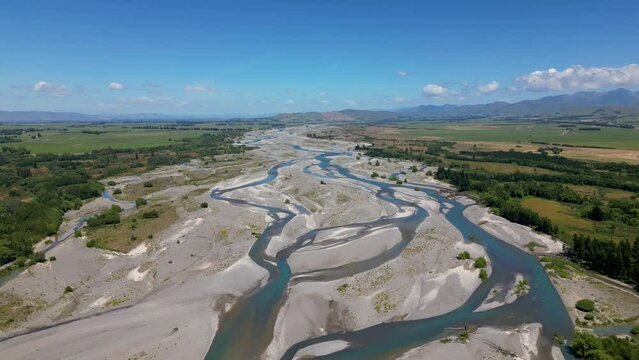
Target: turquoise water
[(246, 330)]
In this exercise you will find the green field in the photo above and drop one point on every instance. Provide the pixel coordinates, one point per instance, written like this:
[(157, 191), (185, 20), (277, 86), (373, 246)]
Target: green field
[(569, 221), (524, 133), (53, 139)]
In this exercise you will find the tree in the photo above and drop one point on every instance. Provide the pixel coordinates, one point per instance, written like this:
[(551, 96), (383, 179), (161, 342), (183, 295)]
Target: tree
[(204, 205), (584, 343), (596, 213)]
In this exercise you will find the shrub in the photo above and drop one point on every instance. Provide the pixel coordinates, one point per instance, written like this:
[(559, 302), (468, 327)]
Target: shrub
[(483, 275), (77, 233), (204, 205), (153, 214), (480, 262), (68, 289), (589, 317), (585, 305), (20, 261), (635, 330), (37, 257), (108, 217), (117, 191), (374, 175), (148, 184), (91, 243), (111, 183), (465, 255), (52, 258), (139, 202)]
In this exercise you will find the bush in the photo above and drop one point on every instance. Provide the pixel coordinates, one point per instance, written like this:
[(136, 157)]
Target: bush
[(635, 330), (37, 257), (480, 262), (465, 255), (108, 217), (483, 275), (117, 191), (148, 184), (68, 289), (589, 317), (585, 305), (111, 183), (139, 202), (374, 175), (52, 258), (153, 214), (77, 233), (20, 261), (91, 243), (204, 205)]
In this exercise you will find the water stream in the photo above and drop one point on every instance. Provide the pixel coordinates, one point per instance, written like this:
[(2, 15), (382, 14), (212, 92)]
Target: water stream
[(247, 329)]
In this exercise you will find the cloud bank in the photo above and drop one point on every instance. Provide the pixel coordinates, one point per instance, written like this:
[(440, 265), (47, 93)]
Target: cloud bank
[(50, 89), (578, 77)]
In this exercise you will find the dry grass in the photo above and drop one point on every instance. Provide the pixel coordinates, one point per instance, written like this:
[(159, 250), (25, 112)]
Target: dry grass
[(133, 230), (134, 191), (14, 310), (505, 168), (602, 193), (607, 155)]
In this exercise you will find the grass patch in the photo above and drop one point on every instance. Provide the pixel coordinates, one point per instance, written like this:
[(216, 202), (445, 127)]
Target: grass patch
[(13, 310), (135, 191), (383, 304), (569, 222), (560, 267), (133, 230)]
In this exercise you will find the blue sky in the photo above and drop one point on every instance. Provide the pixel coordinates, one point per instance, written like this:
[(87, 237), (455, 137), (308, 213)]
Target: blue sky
[(259, 57)]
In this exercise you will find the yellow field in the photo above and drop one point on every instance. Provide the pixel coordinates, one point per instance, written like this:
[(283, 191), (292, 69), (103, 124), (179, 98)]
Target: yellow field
[(569, 221), (603, 193), (505, 168)]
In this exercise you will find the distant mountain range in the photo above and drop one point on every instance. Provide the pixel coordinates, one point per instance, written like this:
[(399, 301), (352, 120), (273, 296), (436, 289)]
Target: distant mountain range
[(603, 105), (609, 103)]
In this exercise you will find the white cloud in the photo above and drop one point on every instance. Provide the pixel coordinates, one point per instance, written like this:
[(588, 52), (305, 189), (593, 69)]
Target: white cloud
[(197, 88), (488, 88), (578, 77), (324, 101), (289, 102), (115, 86), (322, 93), (399, 100), (160, 100), (350, 102), (403, 73), (434, 90), (57, 90)]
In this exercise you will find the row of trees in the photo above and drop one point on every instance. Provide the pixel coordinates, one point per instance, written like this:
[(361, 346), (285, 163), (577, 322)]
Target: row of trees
[(618, 260)]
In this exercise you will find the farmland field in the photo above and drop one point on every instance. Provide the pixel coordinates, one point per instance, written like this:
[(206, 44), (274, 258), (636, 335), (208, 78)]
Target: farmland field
[(71, 138), (525, 133), (569, 221)]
